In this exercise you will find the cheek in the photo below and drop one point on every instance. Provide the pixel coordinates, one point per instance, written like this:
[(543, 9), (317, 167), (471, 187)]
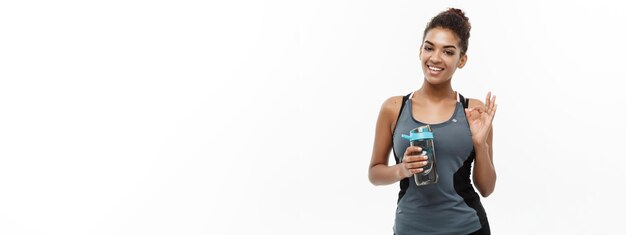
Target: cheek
[(454, 62)]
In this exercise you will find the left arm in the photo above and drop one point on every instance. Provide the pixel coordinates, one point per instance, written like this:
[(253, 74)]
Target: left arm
[(484, 171), (480, 117)]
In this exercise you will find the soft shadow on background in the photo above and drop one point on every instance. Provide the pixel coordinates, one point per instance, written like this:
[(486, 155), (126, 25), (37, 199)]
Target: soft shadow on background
[(241, 117)]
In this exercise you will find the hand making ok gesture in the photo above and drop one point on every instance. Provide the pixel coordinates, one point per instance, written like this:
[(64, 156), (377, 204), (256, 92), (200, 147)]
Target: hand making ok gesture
[(480, 119)]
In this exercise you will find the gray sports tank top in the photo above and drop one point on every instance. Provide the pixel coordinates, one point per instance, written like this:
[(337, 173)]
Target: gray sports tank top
[(451, 206)]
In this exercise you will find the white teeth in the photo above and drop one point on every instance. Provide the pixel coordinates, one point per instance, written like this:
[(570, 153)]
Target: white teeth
[(434, 68)]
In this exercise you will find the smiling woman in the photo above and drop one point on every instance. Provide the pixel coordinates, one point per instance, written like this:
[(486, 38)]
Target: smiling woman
[(462, 136)]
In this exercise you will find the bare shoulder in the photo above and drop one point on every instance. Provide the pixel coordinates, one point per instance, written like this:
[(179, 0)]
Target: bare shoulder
[(473, 103), (389, 111), (391, 106)]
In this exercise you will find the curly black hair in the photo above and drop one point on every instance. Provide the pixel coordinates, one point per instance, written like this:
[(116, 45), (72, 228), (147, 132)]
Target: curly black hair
[(455, 20)]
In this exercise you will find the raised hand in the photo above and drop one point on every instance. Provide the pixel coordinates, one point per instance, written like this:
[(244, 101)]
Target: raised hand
[(480, 119)]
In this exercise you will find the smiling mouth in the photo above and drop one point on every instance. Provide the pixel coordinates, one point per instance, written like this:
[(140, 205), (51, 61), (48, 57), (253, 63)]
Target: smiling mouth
[(434, 69)]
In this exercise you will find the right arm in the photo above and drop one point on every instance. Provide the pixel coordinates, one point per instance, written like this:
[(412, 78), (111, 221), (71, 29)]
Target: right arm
[(380, 173)]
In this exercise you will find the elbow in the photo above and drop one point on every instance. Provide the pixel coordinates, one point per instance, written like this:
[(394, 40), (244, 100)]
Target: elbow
[(485, 193), (376, 183), (372, 179), (486, 188)]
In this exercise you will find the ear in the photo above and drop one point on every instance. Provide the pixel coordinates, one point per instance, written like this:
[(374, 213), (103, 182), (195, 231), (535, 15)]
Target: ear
[(462, 61)]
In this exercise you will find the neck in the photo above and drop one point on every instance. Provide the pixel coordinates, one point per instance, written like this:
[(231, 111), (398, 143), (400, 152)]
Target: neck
[(437, 92)]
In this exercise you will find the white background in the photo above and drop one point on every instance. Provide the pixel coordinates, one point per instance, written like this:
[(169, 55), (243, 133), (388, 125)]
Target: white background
[(257, 117)]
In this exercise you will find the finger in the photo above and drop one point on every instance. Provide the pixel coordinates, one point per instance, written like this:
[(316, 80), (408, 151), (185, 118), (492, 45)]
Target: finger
[(491, 114), (479, 109), (493, 106), (492, 103), (488, 99), (468, 113), (415, 171), (412, 150), (407, 159), (415, 158), (415, 165)]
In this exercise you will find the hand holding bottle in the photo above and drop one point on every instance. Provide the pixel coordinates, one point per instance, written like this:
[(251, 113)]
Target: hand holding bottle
[(413, 161)]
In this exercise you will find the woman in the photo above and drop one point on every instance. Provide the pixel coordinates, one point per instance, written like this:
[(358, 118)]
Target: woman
[(463, 134)]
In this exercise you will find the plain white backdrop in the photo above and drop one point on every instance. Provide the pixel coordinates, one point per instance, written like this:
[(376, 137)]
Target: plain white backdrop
[(257, 117)]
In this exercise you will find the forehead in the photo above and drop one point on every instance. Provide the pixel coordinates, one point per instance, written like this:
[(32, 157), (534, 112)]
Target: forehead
[(441, 37)]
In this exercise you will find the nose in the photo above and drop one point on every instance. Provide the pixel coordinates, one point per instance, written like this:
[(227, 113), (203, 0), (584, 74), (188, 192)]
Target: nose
[(435, 58)]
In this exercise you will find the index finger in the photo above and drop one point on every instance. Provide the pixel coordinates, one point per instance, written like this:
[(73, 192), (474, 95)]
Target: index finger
[(415, 158), (412, 149)]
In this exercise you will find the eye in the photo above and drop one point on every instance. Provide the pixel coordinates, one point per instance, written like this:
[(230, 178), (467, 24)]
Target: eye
[(428, 48), (448, 52)]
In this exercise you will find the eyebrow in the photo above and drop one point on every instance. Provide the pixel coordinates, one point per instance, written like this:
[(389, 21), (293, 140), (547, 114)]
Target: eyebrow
[(446, 46)]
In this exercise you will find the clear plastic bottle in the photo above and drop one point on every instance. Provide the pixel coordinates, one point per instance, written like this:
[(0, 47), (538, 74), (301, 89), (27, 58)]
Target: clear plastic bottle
[(423, 137)]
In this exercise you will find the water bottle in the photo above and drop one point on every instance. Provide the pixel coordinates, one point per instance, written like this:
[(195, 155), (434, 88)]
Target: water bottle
[(423, 137)]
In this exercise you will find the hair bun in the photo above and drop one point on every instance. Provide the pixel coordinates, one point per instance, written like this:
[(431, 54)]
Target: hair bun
[(458, 12)]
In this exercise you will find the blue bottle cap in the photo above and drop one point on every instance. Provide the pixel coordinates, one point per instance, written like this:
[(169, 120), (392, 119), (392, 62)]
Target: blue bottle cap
[(418, 136)]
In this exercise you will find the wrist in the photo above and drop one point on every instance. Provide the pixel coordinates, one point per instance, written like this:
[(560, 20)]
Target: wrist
[(481, 145), (401, 172)]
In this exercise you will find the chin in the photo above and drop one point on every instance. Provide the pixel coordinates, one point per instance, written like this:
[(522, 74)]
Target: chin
[(437, 80)]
